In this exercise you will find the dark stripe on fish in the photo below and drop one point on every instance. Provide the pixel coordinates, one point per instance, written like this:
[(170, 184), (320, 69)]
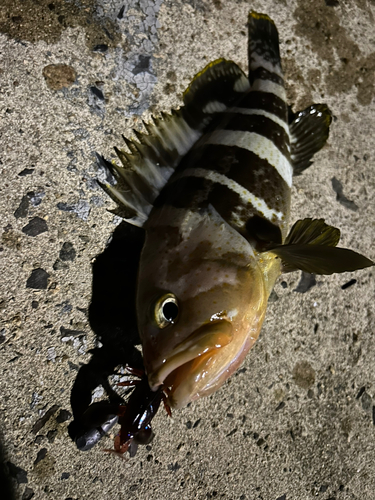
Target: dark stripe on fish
[(195, 193), (254, 174), (263, 126), (265, 50), (266, 101), (263, 74)]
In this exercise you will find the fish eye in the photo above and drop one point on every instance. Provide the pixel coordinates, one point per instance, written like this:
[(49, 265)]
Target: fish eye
[(166, 310)]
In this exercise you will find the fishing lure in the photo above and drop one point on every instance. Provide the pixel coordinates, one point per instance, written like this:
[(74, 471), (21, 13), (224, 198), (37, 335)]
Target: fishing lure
[(211, 186), (134, 417)]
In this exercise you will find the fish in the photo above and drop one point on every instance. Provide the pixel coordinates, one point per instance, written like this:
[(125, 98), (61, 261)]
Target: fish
[(210, 183)]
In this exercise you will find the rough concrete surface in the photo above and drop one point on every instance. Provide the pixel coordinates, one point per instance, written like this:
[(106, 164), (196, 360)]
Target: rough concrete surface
[(298, 420)]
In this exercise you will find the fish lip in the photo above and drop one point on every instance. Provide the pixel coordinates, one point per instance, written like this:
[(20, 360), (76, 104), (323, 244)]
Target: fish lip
[(210, 336)]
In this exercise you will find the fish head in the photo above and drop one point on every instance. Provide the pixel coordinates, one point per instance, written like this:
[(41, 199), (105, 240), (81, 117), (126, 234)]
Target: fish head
[(201, 301)]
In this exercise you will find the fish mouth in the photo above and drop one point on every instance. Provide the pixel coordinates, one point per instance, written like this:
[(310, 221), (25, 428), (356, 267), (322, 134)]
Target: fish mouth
[(185, 365)]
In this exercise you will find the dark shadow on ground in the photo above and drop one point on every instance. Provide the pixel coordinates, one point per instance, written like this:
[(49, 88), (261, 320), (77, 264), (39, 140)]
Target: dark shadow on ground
[(112, 317), (6, 482)]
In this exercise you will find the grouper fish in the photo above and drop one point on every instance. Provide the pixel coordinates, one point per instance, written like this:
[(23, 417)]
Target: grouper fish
[(210, 184)]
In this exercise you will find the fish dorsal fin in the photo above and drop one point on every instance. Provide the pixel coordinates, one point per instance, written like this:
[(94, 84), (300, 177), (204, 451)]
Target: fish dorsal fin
[(218, 86), (146, 169), (311, 247), (131, 205), (309, 130), (144, 172)]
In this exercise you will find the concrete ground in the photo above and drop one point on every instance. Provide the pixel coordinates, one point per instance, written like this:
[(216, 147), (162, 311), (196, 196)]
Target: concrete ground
[(298, 420)]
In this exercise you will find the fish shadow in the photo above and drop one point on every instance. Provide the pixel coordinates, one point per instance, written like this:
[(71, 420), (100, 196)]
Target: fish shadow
[(112, 317), (10, 474)]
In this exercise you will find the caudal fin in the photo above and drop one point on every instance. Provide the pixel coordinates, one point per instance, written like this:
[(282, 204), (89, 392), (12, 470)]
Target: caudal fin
[(263, 47), (265, 73)]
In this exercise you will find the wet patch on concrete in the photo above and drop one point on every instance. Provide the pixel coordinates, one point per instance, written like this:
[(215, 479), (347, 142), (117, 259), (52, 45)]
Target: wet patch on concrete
[(303, 375), (58, 76), (320, 25), (40, 455), (11, 238), (26, 171), (47, 19), (294, 81), (28, 494), (41, 422)]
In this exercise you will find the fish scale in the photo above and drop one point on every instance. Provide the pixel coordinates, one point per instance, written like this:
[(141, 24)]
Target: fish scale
[(211, 186)]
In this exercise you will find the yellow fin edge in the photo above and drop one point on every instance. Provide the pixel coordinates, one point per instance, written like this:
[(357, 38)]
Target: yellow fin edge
[(256, 15), (206, 68)]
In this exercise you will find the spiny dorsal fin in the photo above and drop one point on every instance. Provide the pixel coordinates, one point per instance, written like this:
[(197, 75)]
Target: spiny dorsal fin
[(131, 205), (311, 247), (148, 166), (153, 159), (309, 130)]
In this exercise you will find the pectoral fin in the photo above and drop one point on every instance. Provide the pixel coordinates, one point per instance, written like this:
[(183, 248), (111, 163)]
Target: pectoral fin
[(320, 259), (309, 130), (311, 247)]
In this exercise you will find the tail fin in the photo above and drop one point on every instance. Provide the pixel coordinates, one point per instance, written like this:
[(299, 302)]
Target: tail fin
[(263, 48)]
